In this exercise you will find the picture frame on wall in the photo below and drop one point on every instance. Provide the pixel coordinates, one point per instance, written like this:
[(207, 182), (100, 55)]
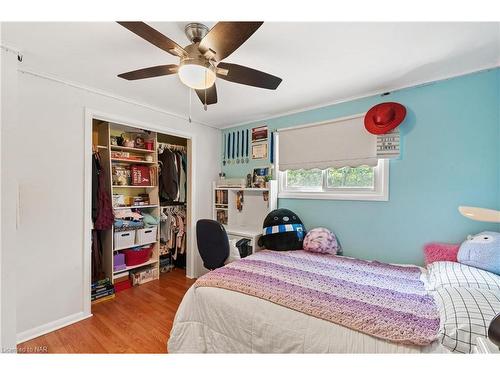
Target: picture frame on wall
[(259, 150), (259, 177), (259, 133)]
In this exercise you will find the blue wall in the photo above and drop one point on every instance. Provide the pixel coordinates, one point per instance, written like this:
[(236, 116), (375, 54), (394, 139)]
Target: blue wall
[(450, 157)]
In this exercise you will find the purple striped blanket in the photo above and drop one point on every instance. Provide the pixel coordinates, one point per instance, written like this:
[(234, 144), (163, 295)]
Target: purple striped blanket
[(382, 300)]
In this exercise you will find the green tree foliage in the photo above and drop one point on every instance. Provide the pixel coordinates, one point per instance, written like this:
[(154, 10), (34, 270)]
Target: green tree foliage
[(304, 178), (350, 177), (336, 177)]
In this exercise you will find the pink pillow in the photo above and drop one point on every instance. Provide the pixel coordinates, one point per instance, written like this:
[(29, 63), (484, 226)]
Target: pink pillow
[(436, 251), (321, 240)]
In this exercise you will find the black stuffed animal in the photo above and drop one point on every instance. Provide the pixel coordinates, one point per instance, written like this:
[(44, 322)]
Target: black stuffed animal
[(282, 230)]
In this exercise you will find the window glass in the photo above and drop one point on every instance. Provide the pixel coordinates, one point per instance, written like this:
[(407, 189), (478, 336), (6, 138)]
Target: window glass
[(302, 178), (347, 177)]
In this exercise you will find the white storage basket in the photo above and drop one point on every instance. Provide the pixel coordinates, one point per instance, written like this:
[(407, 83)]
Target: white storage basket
[(146, 235), (124, 239)]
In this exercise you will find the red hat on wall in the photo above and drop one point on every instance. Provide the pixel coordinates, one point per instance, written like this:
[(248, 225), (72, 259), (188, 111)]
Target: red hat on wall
[(384, 117)]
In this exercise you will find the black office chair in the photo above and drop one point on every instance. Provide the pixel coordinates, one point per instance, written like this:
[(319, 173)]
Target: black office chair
[(213, 243)]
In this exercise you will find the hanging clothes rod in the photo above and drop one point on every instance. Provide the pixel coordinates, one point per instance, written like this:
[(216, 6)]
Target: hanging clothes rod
[(174, 209), (162, 146), (173, 204)]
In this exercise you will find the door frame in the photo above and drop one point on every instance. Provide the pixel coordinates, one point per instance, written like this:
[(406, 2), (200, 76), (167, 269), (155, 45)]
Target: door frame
[(91, 114)]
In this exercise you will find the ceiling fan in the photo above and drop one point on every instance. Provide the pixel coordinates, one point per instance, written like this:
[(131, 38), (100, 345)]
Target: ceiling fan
[(200, 62)]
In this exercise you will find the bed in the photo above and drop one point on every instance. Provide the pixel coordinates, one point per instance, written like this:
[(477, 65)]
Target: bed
[(219, 320)]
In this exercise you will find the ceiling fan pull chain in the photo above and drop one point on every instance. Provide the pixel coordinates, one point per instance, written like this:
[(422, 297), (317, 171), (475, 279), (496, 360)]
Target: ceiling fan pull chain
[(205, 104), (190, 105)]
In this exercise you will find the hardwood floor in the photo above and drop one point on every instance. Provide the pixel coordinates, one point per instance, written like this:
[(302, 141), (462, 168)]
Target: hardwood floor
[(137, 320)]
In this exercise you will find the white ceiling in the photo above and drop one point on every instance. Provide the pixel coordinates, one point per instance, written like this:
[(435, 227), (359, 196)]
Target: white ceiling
[(320, 63)]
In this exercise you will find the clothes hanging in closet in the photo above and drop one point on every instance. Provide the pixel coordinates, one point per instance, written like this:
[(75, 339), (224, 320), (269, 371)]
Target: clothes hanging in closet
[(101, 200), (173, 175), (102, 215), (97, 271), (173, 233), (168, 179), (183, 178)]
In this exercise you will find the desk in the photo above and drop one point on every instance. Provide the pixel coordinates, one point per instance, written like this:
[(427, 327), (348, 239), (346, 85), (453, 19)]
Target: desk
[(253, 234)]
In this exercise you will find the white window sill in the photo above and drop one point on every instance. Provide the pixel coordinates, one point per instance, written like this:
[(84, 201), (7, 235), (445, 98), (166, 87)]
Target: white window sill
[(345, 196)]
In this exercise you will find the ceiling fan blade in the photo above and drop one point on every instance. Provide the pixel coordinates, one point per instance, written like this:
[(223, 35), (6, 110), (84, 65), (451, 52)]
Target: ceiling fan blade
[(211, 95), (154, 37), (226, 37), (154, 71), (247, 76)]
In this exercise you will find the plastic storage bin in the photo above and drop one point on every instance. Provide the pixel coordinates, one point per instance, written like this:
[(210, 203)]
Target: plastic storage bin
[(119, 262), (146, 235), (135, 257), (124, 239), (123, 285)]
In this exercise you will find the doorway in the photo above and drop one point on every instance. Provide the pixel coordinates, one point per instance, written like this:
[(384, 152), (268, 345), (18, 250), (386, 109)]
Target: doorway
[(123, 150)]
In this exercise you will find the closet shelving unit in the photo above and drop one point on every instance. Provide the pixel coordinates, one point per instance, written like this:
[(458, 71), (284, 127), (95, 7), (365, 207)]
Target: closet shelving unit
[(102, 134)]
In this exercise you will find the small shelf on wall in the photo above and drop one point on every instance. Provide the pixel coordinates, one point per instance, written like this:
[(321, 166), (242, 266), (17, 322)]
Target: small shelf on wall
[(132, 149), (243, 217), (151, 261)]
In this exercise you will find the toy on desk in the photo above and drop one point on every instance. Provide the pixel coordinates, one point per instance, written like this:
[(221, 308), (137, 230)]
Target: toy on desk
[(282, 230)]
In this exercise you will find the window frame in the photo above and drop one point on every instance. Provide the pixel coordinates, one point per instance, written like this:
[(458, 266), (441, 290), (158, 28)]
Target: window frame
[(380, 191)]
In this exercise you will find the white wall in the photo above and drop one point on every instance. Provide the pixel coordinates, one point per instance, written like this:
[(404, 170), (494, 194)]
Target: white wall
[(8, 201), (49, 166)]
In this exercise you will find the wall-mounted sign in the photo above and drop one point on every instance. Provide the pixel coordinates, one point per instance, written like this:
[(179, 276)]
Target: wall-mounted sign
[(259, 150), (259, 133), (388, 145)]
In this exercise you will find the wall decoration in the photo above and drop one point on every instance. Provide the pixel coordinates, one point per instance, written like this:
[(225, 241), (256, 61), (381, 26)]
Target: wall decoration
[(384, 117), (224, 150), (259, 133), (246, 147), (388, 145), (239, 200), (271, 153), (260, 177), (259, 150)]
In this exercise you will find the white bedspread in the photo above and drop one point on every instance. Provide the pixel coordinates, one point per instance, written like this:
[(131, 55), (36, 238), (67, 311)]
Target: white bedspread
[(213, 320)]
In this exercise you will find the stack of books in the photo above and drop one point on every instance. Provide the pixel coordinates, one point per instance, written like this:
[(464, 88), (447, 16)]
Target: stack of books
[(102, 290)]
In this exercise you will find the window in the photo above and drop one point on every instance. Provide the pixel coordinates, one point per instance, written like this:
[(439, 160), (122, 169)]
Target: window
[(312, 162), (347, 183)]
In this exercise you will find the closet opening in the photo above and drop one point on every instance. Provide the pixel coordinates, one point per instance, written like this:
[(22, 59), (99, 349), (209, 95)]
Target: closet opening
[(141, 207)]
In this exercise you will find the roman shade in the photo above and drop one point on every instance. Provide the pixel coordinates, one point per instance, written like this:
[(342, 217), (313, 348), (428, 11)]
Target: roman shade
[(333, 144)]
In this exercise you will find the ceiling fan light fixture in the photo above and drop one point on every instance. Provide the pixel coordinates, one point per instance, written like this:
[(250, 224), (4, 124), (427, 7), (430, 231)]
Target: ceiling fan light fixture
[(197, 73)]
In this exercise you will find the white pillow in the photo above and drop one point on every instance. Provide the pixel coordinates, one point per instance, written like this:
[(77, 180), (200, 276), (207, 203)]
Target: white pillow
[(443, 274), (465, 315)]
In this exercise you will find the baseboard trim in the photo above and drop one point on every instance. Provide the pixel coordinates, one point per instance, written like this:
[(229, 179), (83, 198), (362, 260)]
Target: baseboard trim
[(52, 326)]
